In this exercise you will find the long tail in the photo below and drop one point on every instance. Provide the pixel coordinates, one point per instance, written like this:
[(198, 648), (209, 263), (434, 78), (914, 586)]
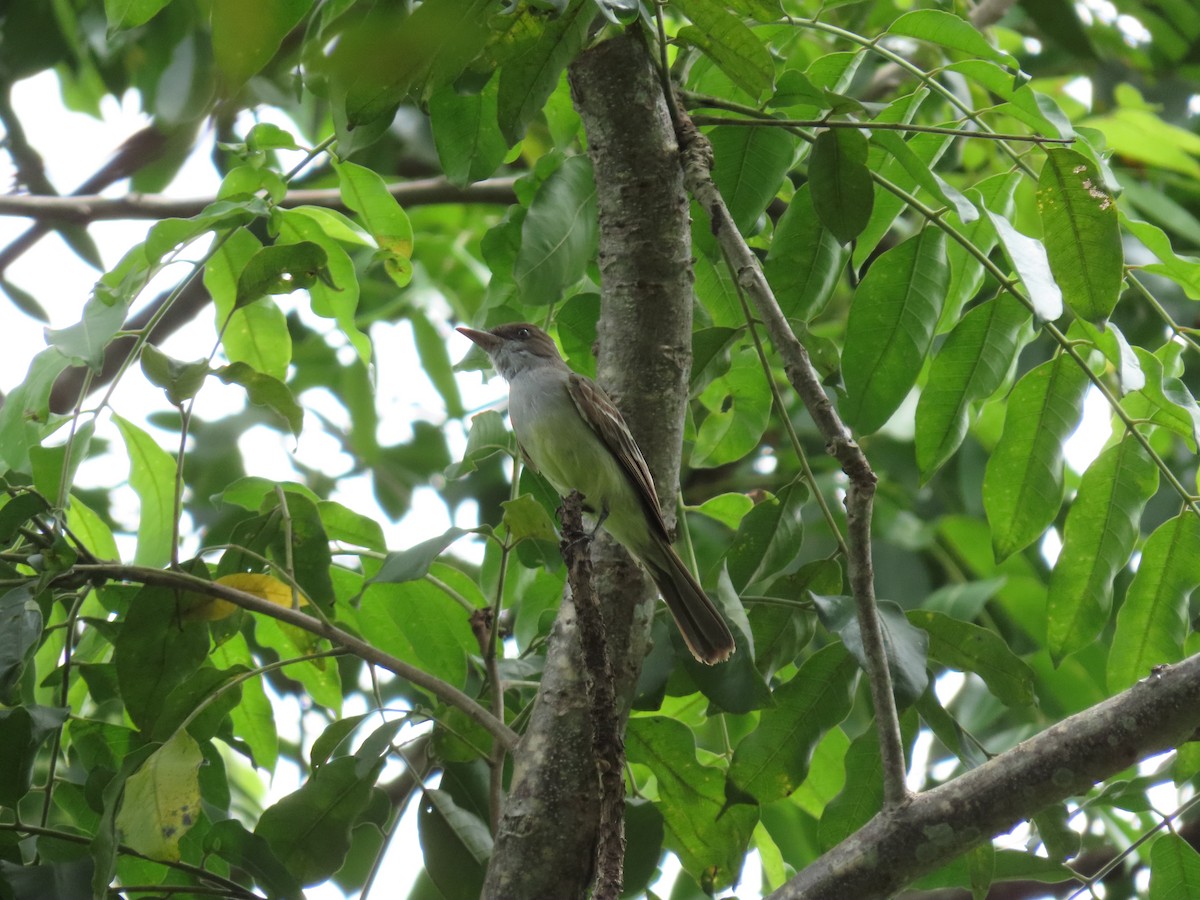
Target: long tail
[(703, 629)]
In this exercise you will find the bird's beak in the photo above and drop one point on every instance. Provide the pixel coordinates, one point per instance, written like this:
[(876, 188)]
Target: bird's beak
[(485, 339)]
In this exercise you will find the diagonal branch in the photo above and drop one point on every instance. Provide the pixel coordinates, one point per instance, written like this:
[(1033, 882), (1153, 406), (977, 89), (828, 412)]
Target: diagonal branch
[(902, 844)]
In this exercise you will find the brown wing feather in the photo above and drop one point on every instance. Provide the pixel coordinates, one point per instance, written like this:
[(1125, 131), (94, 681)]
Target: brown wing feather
[(605, 419)]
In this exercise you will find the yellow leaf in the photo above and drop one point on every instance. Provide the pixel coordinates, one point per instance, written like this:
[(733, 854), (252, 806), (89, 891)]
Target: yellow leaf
[(198, 607)]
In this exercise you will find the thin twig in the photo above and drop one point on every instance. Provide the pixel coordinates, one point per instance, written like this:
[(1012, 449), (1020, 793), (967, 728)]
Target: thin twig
[(767, 121), (697, 158)]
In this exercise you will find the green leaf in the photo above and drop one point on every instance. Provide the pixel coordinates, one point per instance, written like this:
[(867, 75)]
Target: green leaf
[(246, 36), (970, 648), (731, 44), (418, 623), (26, 409), (20, 632), (152, 477), (1174, 869), (1164, 399), (1023, 483), (529, 76), (1081, 233), (339, 300), (487, 437), (971, 365), (23, 730), (768, 538), (750, 164), (772, 761), (925, 176), (1028, 257), (558, 237), (155, 652), (309, 831), (368, 195), (281, 269), (906, 646), (950, 31), (1153, 620), (456, 845), (263, 390), (124, 14), (229, 840), (966, 271), (805, 260), (162, 799), (707, 836), (181, 381), (739, 405), (1101, 530), (1183, 270), (414, 563), (891, 327), (255, 334), (466, 133), (842, 190), (85, 341)]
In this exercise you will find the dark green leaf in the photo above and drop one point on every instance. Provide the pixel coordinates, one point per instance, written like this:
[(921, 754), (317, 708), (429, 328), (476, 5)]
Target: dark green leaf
[(970, 366), (768, 538), (414, 563), (750, 164), (805, 260), (456, 844), (85, 341), (772, 761), (558, 237), (966, 271), (1101, 529), (708, 837), (1083, 239), (842, 190), (1153, 621), (20, 631), (891, 327), (124, 14), (466, 133), (155, 652), (906, 647), (309, 831), (730, 44), (263, 390), (970, 648), (739, 405), (281, 269), (181, 380), (23, 730), (530, 75), (1023, 484), (230, 841)]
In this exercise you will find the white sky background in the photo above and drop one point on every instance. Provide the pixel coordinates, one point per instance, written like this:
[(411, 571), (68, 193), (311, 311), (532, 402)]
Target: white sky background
[(73, 147)]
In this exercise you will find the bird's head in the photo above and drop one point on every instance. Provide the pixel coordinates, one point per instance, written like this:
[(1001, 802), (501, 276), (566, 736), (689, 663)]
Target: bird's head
[(515, 347)]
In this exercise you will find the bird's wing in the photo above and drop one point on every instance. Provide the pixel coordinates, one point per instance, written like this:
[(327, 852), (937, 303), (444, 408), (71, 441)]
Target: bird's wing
[(605, 419)]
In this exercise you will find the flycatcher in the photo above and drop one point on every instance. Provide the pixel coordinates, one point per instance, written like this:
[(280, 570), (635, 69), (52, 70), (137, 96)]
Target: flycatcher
[(569, 430)]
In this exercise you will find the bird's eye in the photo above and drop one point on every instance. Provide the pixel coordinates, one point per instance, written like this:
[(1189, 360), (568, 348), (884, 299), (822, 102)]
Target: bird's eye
[(522, 333)]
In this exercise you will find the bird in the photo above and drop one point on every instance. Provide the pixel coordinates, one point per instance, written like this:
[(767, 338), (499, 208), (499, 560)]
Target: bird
[(569, 430)]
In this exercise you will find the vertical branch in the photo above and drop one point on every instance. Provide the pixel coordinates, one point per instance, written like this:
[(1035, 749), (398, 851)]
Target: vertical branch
[(607, 740), (697, 161)]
